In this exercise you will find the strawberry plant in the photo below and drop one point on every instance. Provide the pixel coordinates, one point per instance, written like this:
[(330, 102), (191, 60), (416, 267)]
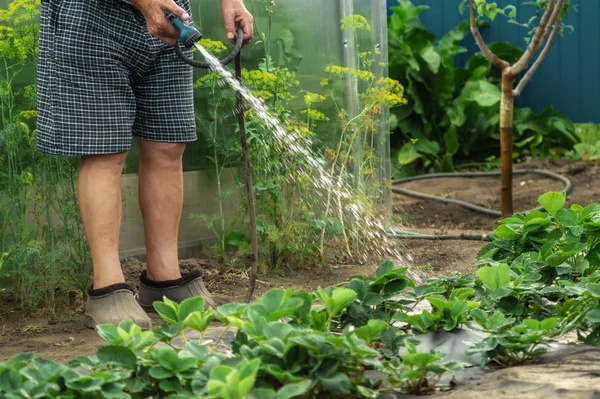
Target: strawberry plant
[(289, 343), (420, 372), (560, 242), (510, 344)]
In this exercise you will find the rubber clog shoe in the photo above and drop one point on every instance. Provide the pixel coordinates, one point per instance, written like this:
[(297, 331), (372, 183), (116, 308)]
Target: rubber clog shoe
[(190, 285), (114, 304)]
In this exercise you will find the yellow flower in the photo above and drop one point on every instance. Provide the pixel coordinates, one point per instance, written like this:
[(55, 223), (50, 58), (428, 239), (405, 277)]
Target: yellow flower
[(324, 82), (301, 130), (342, 72), (355, 22), (367, 59), (387, 93), (29, 114), (337, 70), (266, 84), (315, 115), (362, 75), (213, 46), (311, 98), (211, 79)]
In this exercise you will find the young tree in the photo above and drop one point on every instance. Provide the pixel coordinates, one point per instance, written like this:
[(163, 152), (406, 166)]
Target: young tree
[(543, 29)]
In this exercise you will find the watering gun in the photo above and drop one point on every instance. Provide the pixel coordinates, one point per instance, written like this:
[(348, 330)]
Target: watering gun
[(189, 36)]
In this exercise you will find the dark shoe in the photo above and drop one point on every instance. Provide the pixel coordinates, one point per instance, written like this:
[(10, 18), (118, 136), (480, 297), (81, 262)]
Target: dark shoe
[(190, 285), (112, 305)]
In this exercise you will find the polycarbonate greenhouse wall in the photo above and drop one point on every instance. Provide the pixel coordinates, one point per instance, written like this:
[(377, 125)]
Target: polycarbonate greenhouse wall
[(569, 79), (307, 40), (321, 66)]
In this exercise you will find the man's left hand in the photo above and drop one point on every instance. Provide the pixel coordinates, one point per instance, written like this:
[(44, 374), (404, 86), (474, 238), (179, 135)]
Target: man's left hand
[(235, 14)]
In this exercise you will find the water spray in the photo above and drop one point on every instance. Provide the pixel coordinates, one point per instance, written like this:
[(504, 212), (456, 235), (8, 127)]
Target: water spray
[(188, 38)]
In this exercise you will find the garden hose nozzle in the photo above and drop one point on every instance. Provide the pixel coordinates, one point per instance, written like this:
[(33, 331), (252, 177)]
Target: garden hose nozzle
[(188, 35)]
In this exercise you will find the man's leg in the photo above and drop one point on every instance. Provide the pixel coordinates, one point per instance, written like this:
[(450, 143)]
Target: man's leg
[(99, 192), (161, 200), (110, 300)]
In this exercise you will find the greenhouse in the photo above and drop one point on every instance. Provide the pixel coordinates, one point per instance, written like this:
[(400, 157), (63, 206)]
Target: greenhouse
[(283, 199)]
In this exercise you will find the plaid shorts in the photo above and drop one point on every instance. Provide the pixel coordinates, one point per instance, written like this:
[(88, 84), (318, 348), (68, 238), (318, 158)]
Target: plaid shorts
[(103, 79)]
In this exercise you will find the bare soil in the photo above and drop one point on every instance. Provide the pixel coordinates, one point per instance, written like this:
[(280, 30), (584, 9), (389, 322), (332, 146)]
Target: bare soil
[(61, 336)]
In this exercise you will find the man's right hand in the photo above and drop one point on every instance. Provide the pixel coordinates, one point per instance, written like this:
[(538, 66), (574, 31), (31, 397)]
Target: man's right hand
[(158, 24)]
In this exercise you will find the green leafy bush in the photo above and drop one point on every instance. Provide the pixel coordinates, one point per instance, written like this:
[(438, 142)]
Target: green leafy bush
[(452, 115), (589, 147)]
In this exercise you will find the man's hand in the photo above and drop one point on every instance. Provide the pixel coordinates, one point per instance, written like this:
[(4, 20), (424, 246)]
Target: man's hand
[(158, 24), (235, 14)]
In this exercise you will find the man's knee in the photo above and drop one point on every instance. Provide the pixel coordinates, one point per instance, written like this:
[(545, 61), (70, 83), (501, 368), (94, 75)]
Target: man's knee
[(162, 153)]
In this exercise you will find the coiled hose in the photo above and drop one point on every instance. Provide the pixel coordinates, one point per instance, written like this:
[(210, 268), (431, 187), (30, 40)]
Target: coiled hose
[(410, 235)]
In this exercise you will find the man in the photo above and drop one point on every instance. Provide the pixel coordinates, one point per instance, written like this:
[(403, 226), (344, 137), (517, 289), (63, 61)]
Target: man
[(108, 73)]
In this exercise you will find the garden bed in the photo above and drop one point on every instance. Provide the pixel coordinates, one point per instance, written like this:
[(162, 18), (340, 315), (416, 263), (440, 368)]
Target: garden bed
[(61, 337)]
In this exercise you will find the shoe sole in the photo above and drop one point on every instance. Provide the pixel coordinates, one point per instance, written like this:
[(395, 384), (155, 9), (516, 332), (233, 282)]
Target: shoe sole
[(148, 308), (89, 322)]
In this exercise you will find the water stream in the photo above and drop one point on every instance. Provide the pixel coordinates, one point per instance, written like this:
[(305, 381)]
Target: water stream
[(358, 219)]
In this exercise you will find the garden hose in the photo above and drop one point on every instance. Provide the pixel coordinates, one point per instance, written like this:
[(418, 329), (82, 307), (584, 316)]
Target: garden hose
[(409, 235), (188, 37)]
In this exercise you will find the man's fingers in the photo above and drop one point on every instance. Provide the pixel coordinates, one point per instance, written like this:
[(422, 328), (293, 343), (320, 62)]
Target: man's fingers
[(230, 30), (167, 33), (248, 27), (177, 11)]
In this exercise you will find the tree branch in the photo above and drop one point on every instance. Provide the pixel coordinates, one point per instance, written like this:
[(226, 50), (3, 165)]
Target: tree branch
[(537, 40), (485, 50), (553, 19), (539, 61)]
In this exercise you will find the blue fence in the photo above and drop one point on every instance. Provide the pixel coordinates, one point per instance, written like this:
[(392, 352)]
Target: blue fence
[(569, 79)]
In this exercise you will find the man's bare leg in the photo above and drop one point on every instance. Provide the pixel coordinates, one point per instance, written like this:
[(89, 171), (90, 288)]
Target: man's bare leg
[(99, 192), (161, 202)]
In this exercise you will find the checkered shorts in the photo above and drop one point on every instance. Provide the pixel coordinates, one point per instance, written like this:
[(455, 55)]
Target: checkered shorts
[(102, 79)]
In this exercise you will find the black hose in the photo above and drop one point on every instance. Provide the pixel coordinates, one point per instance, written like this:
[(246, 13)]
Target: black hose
[(463, 236), (568, 187), (205, 65), (409, 235)]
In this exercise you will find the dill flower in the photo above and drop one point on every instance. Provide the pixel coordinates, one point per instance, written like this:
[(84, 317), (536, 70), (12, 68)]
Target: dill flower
[(312, 98), (355, 22), (337, 70), (29, 114), (267, 85), (315, 115), (387, 92), (342, 72), (211, 79), (213, 46)]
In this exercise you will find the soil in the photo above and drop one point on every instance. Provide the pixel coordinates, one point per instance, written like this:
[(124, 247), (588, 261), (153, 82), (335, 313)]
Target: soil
[(485, 192), (61, 337)]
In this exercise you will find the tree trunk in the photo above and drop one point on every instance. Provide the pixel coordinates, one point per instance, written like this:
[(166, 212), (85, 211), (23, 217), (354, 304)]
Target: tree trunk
[(506, 142)]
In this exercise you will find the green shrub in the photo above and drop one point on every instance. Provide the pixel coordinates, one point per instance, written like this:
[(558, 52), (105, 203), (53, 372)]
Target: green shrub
[(452, 115)]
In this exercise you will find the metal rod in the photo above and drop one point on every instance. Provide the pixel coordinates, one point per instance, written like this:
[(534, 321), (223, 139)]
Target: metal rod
[(249, 188)]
